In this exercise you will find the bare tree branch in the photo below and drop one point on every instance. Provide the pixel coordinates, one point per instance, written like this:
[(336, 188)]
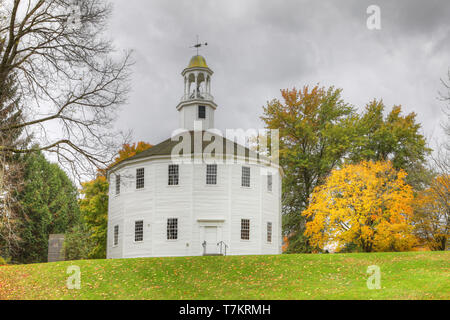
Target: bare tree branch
[(69, 78)]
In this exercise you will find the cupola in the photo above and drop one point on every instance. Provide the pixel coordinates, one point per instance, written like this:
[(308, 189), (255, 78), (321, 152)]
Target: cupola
[(197, 103)]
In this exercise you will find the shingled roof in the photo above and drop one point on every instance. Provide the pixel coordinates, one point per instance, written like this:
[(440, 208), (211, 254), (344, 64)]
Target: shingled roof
[(165, 149)]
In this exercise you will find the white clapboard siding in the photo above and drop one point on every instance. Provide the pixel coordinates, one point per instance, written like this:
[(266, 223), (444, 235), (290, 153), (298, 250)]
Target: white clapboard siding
[(196, 205)]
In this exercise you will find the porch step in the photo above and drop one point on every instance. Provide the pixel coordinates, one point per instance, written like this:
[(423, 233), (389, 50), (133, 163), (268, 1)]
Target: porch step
[(213, 254)]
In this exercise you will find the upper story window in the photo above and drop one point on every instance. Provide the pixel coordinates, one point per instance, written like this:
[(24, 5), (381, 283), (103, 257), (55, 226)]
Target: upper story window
[(172, 228), (269, 231), (201, 112), (140, 182), (245, 229), (245, 181), (116, 235), (173, 174), (211, 174), (269, 181), (139, 230), (118, 184)]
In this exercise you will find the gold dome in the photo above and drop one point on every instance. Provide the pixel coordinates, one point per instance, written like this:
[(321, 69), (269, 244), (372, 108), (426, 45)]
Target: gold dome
[(197, 62)]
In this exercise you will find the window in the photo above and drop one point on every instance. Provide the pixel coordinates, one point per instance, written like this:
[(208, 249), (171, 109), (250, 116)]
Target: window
[(140, 178), (201, 112), (211, 174), (173, 174), (116, 235), (118, 184), (172, 228), (269, 182), (139, 231), (245, 182), (245, 229), (269, 231)]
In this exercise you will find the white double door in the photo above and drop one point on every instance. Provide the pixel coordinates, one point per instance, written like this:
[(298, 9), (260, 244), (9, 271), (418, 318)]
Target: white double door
[(211, 238)]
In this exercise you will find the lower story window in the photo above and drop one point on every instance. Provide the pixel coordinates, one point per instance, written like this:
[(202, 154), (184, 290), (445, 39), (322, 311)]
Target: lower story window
[(269, 231), (139, 231), (172, 228), (245, 229), (116, 235)]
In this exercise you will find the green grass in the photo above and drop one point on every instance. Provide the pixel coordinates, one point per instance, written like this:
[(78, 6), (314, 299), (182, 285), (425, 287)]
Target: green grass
[(409, 275)]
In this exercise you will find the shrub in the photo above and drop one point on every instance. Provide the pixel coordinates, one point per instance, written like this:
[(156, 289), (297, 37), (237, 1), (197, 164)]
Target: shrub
[(77, 243), (3, 262)]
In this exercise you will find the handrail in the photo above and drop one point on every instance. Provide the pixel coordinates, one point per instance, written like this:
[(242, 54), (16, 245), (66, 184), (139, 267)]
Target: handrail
[(221, 243), (204, 247)]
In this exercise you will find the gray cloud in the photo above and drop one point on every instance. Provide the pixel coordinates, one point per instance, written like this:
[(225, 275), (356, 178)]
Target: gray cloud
[(257, 48)]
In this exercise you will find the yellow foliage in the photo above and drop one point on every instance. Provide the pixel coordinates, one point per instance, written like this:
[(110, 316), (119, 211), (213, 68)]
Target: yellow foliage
[(368, 204)]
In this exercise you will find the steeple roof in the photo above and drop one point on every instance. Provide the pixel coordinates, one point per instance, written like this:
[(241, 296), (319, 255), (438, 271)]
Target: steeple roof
[(197, 62)]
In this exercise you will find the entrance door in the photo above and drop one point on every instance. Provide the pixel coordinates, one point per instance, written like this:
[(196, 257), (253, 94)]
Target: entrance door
[(211, 240)]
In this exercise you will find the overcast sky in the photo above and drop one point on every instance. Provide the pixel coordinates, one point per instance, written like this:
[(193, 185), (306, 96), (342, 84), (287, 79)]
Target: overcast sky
[(257, 47)]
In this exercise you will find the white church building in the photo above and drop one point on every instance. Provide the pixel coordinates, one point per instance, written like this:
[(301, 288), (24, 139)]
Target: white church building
[(215, 197)]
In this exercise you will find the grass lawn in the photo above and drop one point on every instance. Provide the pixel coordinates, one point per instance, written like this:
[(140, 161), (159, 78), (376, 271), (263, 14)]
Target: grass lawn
[(408, 275)]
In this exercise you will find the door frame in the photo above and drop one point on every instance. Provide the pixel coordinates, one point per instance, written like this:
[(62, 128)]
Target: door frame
[(211, 248), (203, 225)]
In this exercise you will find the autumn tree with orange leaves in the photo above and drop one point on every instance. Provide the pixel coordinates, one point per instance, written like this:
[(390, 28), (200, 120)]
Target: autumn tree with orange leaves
[(367, 204)]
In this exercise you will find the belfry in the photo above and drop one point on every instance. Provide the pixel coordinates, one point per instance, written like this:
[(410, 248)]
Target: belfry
[(197, 103)]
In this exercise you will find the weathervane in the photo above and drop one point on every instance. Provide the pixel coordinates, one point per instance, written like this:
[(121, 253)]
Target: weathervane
[(199, 45)]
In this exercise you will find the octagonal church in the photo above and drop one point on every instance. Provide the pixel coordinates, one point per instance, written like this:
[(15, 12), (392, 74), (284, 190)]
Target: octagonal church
[(196, 193)]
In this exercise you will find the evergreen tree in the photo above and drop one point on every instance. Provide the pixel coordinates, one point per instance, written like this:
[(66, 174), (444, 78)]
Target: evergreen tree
[(49, 205)]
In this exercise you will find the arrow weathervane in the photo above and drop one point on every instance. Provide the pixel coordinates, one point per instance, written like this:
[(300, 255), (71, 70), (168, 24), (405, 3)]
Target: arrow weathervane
[(199, 45)]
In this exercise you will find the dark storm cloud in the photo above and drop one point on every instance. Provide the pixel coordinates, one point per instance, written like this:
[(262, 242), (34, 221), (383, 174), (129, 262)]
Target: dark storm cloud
[(257, 48)]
